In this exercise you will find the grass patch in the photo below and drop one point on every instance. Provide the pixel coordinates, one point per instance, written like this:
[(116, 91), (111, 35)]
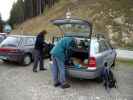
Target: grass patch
[(126, 48), (127, 62)]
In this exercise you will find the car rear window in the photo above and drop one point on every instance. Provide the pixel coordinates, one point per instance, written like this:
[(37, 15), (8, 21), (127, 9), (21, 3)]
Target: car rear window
[(10, 42), (75, 29)]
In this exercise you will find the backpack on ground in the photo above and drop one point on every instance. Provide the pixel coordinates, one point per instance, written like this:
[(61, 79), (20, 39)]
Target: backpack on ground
[(108, 78)]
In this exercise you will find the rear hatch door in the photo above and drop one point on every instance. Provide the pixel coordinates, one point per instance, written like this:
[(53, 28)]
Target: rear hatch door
[(74, 27)]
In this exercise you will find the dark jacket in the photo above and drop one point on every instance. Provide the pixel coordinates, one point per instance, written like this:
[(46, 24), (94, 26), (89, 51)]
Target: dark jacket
[(39, 44)]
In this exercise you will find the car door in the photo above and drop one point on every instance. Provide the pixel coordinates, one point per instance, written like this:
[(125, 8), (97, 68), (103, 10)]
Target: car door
[(28, 44), (104, 53), (74, 27), (112, 53)]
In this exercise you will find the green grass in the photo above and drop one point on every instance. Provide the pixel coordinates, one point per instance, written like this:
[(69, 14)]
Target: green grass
[(127, 62), (126, 48)]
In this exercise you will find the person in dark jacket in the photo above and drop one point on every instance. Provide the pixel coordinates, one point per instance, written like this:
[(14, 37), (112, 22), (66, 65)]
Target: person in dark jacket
[(38, 51)]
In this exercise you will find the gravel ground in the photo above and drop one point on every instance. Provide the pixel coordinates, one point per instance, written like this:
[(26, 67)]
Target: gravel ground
[(20, 83)]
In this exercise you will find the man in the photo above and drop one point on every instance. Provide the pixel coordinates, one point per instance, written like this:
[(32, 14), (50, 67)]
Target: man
[(39, 46), (58, 58)]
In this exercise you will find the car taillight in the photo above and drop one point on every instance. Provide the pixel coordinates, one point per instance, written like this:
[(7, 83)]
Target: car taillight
[(8, 50), (13, 50), (92, 62)]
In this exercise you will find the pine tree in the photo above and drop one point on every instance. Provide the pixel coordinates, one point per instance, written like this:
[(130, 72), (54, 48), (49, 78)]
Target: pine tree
[(28, 8), (17, 12), (25, 9), (1, 24)]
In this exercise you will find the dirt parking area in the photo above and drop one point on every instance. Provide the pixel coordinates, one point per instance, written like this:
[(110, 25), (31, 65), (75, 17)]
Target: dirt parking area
[(20, 83)]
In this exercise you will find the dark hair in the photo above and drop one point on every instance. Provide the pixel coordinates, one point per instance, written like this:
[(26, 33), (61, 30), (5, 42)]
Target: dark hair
[(43, 32)]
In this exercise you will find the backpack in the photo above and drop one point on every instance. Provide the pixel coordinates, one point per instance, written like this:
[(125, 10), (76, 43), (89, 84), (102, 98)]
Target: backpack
[(108, 78)]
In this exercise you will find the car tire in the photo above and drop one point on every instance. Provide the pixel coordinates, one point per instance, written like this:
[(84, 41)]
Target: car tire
[(5, 61), (27, 59)]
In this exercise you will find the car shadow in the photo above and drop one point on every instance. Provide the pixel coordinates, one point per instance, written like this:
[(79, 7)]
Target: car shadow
[(13, 64), (79, 81)]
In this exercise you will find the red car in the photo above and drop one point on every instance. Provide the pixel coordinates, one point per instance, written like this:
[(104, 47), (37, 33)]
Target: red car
[(19, 48)]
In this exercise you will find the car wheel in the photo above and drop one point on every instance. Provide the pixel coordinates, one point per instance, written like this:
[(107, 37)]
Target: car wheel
[(27, 60), (5, 61)]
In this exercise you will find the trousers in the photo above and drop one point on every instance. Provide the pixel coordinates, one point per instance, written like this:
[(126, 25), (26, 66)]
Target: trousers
[(38, 60), (58, 70)]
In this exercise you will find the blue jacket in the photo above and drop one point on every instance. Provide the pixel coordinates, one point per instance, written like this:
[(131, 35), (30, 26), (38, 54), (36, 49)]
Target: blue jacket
[(60, 48)]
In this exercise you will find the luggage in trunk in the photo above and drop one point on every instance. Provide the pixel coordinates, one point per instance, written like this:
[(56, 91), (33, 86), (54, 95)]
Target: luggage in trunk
[(79, 54)]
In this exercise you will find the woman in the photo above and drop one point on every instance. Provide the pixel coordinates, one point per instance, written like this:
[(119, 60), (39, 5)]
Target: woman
[(58, 58)]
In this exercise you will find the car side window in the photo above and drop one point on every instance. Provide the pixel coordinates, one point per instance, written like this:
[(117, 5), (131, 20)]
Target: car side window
[(109, 45), (29, 41), (103, 46)]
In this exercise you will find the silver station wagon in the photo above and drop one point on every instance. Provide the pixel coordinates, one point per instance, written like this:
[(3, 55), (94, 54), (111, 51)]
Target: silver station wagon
[(91, 52)]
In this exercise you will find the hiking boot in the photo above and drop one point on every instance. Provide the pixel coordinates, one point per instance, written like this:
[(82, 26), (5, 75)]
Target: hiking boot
[(65, 86), (57, 84), (34, 70), (43, 69)]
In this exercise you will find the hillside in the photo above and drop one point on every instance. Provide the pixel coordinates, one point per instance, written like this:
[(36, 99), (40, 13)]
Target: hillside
[(113, 17)]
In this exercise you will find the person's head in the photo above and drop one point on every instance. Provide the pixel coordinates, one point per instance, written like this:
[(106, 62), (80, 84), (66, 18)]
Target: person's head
[(43, 32)]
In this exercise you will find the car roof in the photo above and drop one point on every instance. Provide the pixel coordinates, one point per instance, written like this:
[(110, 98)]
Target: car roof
[(22, 36)]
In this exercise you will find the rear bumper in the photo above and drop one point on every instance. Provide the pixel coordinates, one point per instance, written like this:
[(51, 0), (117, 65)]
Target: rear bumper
[(83, 73), (12, 57)]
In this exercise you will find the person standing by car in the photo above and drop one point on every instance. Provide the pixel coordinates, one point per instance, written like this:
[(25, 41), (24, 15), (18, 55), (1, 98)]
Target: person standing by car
[(58, 55), (38, 53)]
